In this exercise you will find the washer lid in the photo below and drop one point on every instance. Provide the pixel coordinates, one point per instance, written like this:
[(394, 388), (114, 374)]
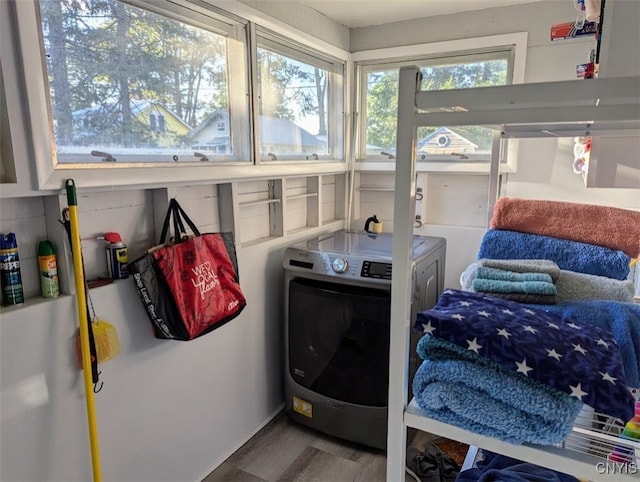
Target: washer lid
[(360, 243)]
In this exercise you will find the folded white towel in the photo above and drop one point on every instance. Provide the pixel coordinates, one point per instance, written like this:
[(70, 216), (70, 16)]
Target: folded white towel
[(574, 286)]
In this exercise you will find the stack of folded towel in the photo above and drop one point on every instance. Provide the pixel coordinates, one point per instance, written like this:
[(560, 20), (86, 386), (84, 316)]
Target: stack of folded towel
[(587, 251), (569, 285), (512, 371), (592, 246), (525, 281)]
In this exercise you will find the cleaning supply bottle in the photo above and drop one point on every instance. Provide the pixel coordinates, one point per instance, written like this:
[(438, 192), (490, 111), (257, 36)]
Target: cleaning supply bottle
[(12, 293), (117, 256), (48, 269)]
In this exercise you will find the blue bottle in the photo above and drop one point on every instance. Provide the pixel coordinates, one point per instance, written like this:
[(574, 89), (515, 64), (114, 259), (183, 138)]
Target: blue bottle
[(10, 276)]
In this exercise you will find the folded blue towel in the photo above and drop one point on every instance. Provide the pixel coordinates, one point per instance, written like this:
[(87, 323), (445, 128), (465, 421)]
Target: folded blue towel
[(621, 319), (493, 467), (498, 286), (456, 386), (505, 275), (569, 255)]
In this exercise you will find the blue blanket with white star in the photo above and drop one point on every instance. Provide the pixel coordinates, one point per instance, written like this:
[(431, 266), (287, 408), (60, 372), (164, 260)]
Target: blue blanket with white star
[(459, 387), (583, 361)]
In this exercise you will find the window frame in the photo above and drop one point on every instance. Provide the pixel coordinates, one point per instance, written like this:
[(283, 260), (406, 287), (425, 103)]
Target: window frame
[(336, 92), (211, 20), (369, 60), (35, 111)]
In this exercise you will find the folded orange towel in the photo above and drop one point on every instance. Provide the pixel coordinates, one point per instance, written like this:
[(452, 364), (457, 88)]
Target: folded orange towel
[(587, 223)]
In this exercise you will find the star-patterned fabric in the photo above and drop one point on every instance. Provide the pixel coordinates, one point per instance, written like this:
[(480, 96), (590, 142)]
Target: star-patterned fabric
[(580, 360)]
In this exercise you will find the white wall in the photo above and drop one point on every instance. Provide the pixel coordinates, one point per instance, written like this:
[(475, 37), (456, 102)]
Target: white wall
[(169, 411), (304, 19)]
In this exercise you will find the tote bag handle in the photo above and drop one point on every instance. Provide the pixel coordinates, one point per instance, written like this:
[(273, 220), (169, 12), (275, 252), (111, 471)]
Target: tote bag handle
[(179, 217)]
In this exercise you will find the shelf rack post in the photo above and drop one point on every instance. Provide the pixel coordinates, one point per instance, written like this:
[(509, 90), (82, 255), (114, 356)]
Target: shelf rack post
[(403, 216)]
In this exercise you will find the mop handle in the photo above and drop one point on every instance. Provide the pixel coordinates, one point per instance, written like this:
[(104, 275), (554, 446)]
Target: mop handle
[(84, 328)]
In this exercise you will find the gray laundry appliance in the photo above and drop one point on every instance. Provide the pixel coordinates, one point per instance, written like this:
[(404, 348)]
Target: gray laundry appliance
[(337, 299)]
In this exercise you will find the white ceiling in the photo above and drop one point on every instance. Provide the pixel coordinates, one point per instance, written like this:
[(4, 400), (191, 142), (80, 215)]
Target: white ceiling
[(362, 13)]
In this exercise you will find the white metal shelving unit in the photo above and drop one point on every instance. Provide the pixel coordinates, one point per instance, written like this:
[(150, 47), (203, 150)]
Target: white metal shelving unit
[(552, 109)]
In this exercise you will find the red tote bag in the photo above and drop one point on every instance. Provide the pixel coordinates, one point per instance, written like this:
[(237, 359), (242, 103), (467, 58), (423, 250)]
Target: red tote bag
[(191, 287)]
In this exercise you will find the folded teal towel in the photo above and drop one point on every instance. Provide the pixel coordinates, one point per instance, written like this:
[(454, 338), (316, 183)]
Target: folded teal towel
[(499, 286), (504, 275), (524, 266)]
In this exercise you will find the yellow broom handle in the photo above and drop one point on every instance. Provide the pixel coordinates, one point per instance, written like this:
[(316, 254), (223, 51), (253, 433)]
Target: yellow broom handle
[(84, 330)]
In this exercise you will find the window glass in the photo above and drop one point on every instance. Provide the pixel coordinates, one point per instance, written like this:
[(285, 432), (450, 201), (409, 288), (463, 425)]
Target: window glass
[(138, 85), (297, 103), (380, 104)]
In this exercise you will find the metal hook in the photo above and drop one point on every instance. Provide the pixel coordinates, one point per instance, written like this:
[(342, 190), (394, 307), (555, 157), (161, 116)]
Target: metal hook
[(98, 385), (418, 223)]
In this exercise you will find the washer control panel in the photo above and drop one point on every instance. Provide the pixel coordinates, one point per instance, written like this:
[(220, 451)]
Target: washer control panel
[(337, 265), (372, 269)]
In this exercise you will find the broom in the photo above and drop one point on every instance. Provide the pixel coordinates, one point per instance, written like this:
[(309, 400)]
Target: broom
[(103, 341), (74, 236)]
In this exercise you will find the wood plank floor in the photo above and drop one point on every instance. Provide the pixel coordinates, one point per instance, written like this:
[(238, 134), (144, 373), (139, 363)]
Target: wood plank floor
[(287, 451)]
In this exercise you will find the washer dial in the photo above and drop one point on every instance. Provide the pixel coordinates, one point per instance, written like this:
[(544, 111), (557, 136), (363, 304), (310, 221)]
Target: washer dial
[(340, 265)]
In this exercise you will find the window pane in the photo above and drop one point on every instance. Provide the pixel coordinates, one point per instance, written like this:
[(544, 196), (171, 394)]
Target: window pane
[(293, 108), (135, 84), (440, 141)]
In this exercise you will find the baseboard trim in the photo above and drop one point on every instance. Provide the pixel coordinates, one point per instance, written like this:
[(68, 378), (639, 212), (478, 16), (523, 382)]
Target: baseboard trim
[(231, 451)]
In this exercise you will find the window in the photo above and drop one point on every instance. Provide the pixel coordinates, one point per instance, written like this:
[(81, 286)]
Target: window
[(380, 92), (457, 64), (154, 86), (142, 84), (299, 101)]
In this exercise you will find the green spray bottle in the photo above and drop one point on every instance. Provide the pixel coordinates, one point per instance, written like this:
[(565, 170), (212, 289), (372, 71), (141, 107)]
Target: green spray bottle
[(48, 270)]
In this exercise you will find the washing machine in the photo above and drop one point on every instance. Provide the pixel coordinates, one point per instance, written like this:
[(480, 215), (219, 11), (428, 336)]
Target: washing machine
[(337, 299)]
